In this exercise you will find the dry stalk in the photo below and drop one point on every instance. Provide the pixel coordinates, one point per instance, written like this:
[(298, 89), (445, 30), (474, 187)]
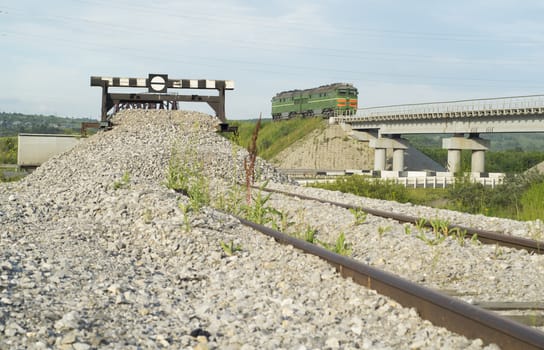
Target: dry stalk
[(249, 161)]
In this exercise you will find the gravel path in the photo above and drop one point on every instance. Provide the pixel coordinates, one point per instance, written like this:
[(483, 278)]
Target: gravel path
[(95, 252)]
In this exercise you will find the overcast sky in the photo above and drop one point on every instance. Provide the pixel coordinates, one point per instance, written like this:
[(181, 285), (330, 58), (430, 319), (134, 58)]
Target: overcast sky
[(394, 52)]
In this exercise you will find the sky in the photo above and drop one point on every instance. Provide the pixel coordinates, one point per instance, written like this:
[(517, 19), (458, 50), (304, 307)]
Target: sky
[(394, 52)]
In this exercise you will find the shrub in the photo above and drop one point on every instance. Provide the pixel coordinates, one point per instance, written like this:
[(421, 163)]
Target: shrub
[(364, 186)]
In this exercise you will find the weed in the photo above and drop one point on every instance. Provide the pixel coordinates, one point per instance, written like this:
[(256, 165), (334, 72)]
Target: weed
[(309, 234), (284, 222), (199, 193), (147, 216), (407, 229), (440, 227), (474, 240), (498, 252), (259, 212), (339, 247), (435, 240), (230, 201), (185, 210), (459, 235), (185, 175), (420, 224), (383, 229), (249, 161), (360, 216), (178, 175), (124, 182), (230, 249)]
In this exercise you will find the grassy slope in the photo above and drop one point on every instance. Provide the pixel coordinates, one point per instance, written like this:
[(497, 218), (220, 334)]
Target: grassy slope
[(274, 137)]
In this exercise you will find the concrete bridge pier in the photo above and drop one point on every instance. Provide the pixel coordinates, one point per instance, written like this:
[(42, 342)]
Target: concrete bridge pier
[(477, 164), (380, 158), (381, 145), (477, 145), (398, 159)]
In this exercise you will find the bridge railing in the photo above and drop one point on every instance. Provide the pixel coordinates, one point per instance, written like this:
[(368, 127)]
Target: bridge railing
[(530, 104)]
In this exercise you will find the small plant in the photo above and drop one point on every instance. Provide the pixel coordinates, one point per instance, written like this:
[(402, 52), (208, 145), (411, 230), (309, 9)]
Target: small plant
[(249, 161), (435, 240), (420, 224), (498, 251), (185, 175), (231, 201), (360, 216), (186, 222), (284, 222), (177, 177), (258, 211), (383, 229), (147, 216), (309, 234), (440, 227), (474, 240), (440, 231), (407, 229), (339, 247), (230, 249), (199, 193), (123, 182), (460, 235)]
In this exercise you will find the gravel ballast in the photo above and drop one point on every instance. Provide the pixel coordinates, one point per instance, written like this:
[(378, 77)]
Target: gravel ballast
[(96, 253)]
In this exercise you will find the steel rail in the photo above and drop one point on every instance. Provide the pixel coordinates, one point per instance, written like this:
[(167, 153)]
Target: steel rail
[(453, 314), (484, 236)]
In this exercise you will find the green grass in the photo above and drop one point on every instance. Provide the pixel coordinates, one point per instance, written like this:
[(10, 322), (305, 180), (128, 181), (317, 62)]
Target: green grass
[(274, 137), (364, 186), (519, 198), (532, 202)]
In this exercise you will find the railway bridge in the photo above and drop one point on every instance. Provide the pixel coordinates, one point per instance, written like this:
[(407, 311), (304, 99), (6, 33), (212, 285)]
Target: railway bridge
[(464, 122)]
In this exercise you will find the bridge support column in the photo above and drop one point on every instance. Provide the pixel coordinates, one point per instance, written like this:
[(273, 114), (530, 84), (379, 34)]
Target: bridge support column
[(454, 160), (478, 161), (379, 158), (380, 146), (398, 159), (477, 145)]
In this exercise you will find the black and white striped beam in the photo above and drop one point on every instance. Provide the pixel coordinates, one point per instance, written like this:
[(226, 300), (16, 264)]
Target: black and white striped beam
[(171, 83)]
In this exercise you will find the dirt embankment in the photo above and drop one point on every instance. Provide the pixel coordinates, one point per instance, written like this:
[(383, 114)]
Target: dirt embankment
[(329, 148), (332, 149)]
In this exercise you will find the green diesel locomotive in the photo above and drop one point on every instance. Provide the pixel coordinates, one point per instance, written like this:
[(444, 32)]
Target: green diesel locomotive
[(323, 101)]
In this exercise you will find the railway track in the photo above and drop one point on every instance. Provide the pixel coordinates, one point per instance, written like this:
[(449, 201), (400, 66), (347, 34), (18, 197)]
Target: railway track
[(507, 324), (484, 236), (439, 308)]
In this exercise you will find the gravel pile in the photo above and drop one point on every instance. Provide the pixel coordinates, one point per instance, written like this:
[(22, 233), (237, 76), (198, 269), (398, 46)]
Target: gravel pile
[(95, 252)]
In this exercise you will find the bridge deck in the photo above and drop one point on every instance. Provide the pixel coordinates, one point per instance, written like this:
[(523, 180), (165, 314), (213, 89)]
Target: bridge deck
[(493, 107)]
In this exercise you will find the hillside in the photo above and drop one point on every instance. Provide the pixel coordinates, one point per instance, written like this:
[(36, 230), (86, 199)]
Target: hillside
[(12, 124)]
